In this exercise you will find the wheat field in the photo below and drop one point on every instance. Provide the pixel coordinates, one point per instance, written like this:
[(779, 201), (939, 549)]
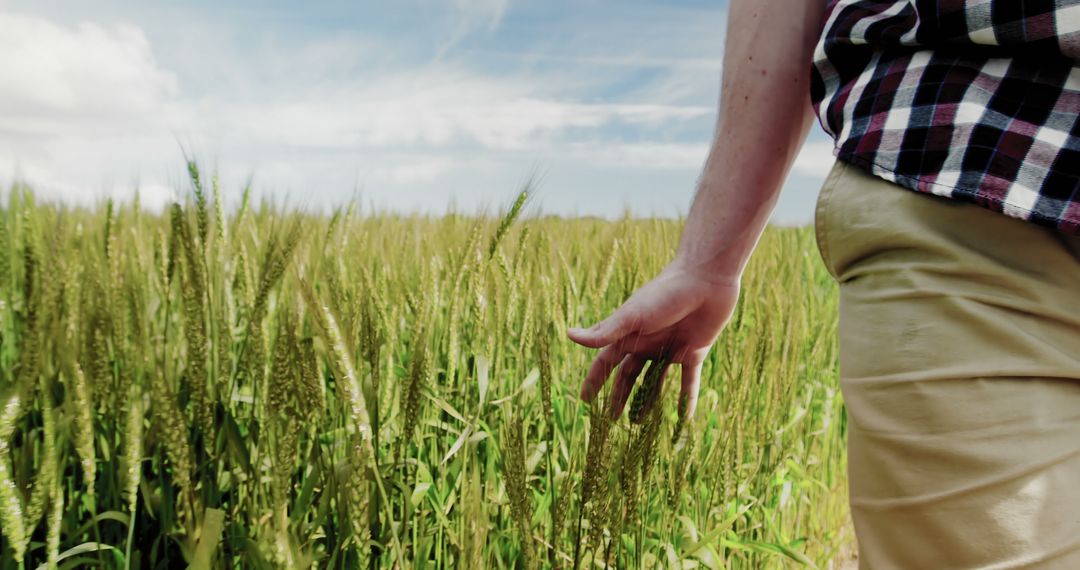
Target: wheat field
[(265, 388)]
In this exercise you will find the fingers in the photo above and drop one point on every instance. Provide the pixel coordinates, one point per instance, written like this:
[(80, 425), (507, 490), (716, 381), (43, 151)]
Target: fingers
[(606, 361), (624, 382), (649, 394), (643, 347), (630, 365), (691, 382)]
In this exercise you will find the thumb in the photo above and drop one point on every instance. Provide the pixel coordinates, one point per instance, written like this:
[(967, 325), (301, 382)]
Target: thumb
[(605, 332)]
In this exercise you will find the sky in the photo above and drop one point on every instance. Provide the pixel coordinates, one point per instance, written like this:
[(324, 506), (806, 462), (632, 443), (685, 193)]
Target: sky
[(407, 106)]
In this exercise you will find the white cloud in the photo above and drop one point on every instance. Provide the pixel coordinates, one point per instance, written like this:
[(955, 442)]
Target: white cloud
[(698, 64), (77, 99), (470, 16), (424, 108), (94, 110), (104, 78), (424, 171), (814, 159), (643, 155), (50, 186), (481, 13)]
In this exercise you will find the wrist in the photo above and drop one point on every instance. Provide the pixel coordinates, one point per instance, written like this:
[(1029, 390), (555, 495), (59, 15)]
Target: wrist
[(719, 274)]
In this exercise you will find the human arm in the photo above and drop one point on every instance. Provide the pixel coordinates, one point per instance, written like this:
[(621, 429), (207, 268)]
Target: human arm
[(763, 118)]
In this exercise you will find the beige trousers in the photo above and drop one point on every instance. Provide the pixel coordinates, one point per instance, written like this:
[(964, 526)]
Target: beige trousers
[(960, 369)]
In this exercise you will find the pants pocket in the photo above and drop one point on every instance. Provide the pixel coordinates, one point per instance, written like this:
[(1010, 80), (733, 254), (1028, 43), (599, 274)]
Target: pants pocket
[(822, 216)]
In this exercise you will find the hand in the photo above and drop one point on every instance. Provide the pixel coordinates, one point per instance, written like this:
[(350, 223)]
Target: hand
[(678, 314)]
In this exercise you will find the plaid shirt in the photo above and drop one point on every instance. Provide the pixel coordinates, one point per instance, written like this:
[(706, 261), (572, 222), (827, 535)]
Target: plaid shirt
[(976, 100)]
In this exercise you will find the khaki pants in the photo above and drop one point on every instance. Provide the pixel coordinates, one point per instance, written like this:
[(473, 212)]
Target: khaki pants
[(960, 369)]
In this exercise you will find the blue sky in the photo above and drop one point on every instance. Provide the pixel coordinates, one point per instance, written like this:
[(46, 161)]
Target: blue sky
[(413, 105)]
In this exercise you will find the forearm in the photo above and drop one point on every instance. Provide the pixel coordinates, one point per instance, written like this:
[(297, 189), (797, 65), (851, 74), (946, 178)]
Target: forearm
[(763, 119)]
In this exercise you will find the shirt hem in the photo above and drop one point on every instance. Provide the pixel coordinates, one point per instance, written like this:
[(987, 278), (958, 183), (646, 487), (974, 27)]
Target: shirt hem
[(916, 184)]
